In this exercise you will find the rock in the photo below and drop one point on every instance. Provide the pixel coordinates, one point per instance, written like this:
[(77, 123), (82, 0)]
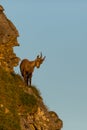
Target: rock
[(8, 40), (42, 119), (39, 117), (1, 105), (1, 8), (6, 110)]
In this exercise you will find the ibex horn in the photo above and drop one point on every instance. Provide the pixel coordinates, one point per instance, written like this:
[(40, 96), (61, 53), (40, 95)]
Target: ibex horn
[(44, 57), (41, 55)]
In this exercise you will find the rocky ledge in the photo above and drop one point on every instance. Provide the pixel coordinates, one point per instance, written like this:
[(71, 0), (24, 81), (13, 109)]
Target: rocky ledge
[(8, 39), (21, 106)]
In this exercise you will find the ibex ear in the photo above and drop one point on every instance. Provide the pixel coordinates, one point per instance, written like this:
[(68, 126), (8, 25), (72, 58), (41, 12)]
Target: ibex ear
[(37, 56)]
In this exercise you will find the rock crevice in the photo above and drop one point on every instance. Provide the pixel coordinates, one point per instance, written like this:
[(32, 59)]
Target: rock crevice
[(8, 40), (39, 117)]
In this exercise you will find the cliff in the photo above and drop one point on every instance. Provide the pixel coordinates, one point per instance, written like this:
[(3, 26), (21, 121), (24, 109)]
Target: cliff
[(21, 106), (8, 40)]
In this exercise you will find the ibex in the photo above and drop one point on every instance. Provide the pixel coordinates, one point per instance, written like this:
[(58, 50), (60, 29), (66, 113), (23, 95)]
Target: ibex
[(27, 68)]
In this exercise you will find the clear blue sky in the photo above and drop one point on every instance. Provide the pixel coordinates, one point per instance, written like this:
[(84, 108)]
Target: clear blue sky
[(58, 28)]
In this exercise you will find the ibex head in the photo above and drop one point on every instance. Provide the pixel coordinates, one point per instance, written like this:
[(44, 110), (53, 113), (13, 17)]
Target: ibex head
[(39, 60)]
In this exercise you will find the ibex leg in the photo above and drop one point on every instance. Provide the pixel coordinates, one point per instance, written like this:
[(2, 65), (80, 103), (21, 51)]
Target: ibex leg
[(26, 78), (30, 78)]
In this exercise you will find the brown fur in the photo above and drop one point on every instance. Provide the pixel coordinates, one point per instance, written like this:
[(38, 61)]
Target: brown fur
[(27, 68)]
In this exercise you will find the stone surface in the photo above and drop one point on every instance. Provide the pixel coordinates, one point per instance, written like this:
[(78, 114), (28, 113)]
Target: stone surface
[(42, 118), (8, 40)]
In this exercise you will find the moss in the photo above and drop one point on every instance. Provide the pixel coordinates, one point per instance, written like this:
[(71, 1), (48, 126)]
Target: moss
[(29, 102), (9, 121), (15, 99), (36, 92)]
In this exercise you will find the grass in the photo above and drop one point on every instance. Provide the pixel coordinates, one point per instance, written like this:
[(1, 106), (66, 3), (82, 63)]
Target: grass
[(36, 92), (14, 97), (29, 102), (9, 121)]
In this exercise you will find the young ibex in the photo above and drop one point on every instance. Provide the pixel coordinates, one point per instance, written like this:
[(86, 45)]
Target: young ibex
[(27, 68)]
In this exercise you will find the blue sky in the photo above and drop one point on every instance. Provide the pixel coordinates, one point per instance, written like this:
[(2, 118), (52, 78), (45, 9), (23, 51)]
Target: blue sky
[(58, 28)]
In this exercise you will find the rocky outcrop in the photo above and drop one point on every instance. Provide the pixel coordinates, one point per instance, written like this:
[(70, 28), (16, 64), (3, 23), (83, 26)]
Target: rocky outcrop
[(8, 39), (41, 119), (29, 111)]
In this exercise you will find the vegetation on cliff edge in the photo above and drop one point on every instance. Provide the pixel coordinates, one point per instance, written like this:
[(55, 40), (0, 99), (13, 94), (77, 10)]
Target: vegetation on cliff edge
[(15, 99)]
